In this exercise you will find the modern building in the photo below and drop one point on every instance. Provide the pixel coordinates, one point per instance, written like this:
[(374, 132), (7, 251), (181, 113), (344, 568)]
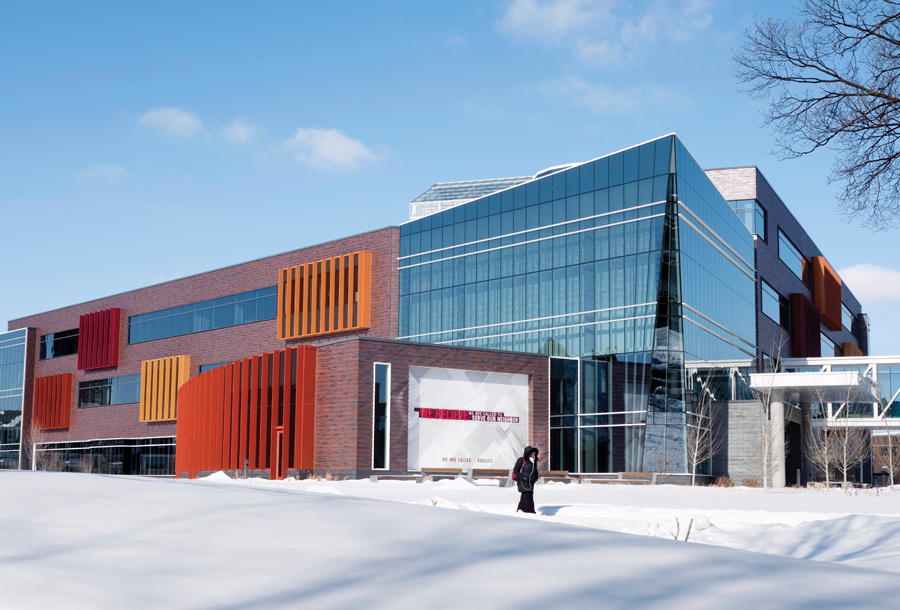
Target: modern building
[(585, 309)]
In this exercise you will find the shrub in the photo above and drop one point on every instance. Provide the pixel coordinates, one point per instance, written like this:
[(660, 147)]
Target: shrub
[(750, 482), (722, 481)]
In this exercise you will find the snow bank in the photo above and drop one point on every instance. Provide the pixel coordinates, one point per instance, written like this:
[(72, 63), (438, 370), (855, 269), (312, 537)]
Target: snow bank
[(92, 541)]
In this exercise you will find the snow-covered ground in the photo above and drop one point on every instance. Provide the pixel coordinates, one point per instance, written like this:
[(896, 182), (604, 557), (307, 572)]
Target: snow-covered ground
[(92, 541)]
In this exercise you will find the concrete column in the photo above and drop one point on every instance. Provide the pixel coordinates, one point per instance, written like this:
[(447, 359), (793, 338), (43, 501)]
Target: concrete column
[(776, 419)]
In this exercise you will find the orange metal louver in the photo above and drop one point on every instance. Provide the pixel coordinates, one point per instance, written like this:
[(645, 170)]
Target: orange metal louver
[(827, 293), (328, 296), (161, 380), (52, 401)]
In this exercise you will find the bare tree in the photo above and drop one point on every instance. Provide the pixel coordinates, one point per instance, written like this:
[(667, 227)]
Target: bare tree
[(831, 72), (818, 447), (703, 434), (50, 461), (34, 437), (85, 464), (886, 412), (768, 441), (817, 442), (851, 445)]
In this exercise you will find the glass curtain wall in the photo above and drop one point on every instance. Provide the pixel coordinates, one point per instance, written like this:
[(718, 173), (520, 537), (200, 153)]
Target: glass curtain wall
[(586, 263), (713, 330), (12, 394)]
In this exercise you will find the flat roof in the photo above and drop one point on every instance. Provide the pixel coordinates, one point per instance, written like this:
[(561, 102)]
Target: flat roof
[(178, 279)]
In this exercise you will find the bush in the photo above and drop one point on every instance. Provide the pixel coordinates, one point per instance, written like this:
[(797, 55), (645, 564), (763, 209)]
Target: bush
[(722, 481), (750, 482)]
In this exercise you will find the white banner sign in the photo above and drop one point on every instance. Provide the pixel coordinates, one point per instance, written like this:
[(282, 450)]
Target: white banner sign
[(466, 419)]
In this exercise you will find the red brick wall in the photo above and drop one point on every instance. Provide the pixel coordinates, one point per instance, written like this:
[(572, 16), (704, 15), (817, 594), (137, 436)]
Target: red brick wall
[(344, 388), (221, 345)]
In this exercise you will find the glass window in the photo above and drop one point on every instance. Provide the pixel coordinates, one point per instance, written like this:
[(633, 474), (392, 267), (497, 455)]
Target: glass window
[(791, 257), (381, 416), (775, 306), (234, 310), (209, 367), (12, 393), (752, 214), (104, 392), (829, 349), (63, 343), (849, 320)]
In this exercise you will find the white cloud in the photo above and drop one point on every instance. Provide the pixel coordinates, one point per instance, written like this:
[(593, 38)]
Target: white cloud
[(606, 31), (457, 39), (871, 283), (174, 122), (327, 148), (100, 172), (239, 131), (600, 98)]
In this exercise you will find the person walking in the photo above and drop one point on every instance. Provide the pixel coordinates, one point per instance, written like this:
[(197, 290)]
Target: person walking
[(526, 473)]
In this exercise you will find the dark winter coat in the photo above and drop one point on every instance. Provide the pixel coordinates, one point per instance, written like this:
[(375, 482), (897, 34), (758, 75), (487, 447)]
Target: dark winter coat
[(527, 473)]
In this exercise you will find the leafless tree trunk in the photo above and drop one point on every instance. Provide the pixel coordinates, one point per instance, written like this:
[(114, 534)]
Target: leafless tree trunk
[(703, 437), (831, 73)]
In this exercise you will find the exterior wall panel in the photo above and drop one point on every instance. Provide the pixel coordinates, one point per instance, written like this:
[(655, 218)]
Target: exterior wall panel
[(345, 382), (160, 383), (53, 401), (335, 294), (98, 339), (827, 293), (221, 411), (805, 324)]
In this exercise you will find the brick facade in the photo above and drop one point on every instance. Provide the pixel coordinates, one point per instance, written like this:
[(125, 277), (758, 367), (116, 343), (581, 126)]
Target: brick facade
[(220, 345), (748, 183), (344, 403)]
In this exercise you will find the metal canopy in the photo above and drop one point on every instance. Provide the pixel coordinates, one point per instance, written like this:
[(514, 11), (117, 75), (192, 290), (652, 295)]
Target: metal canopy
[(819, 387)]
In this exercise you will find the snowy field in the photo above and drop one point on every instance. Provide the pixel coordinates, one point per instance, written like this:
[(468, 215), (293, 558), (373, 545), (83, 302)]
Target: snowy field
[(92, 541)]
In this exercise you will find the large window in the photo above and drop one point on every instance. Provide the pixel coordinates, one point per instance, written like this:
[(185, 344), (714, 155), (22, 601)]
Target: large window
[(12, 391), (829, 348), (104, 392), (244, 308), (775, 306), (849, 321), (209, 367), (136, 456), (752, 214), (381, 416), (63, 343), (791, 257)]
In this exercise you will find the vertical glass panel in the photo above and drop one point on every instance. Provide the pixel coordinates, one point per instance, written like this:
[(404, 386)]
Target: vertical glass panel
[(586, 178), (661, 165), (631, 169), (616, 169), (601, 173), (381, 400), (647, 153)]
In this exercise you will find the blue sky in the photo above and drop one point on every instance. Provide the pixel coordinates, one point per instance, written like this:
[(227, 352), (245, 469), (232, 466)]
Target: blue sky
[(141, 143)]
